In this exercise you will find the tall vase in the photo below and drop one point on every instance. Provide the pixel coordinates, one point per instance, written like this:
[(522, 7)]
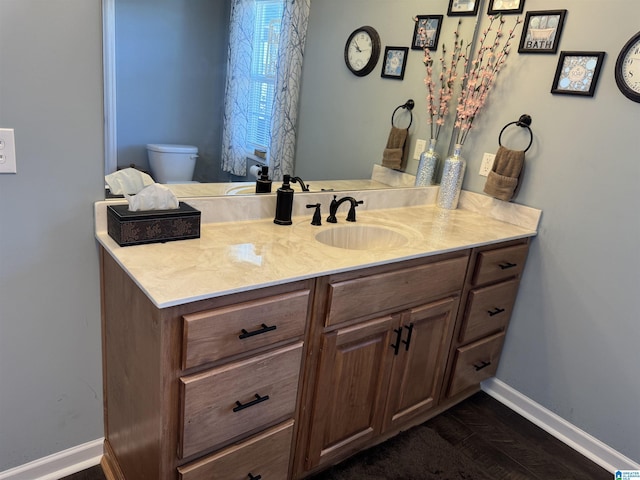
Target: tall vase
[(451, 182), (428, 165)]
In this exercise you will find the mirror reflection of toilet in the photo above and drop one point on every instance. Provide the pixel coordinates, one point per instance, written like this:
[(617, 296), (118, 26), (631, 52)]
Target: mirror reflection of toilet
[(172, 163)]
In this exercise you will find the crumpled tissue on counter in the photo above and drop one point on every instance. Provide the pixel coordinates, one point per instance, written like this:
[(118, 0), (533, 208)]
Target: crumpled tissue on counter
[(127, 181), (152, 197)]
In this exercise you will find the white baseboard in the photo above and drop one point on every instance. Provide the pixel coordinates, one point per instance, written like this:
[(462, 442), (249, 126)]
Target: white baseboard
[(589, 446), (59, 464)]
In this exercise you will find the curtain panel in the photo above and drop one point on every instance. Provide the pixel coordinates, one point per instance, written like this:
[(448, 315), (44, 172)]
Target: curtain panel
[(287, 87)]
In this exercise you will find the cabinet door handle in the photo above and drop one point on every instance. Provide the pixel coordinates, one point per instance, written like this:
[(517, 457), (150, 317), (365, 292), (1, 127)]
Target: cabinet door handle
[(396, 347), (242, 406), (264, 329), (257, 477), (407, 342), (482, 365), (495, 311), (507, 265)]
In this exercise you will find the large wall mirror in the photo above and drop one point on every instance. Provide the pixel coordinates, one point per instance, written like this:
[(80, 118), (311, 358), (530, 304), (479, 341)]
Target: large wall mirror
[(165, 73)]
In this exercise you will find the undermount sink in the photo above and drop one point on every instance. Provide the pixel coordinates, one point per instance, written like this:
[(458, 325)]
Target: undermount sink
[(241, 190), (362, 237)]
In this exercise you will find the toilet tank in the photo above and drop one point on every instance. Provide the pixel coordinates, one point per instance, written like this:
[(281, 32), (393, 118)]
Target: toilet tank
[(172, 163)]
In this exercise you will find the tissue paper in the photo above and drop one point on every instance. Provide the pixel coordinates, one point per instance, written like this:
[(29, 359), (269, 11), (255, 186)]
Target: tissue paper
[(153, 197), (127, 181)]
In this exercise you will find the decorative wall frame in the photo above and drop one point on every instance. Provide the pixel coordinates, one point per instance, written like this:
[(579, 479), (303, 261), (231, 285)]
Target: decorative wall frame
[(395, 62), (541, 31), (505, 7), (577, 73), (431, 26), (463, 7)]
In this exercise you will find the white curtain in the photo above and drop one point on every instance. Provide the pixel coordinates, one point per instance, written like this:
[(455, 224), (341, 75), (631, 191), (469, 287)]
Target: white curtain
[(285, 109)]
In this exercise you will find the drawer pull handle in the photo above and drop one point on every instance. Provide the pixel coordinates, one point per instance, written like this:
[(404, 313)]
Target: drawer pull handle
[(507, 265), (396, 347), (482, 365), (251, 477), (496, 311), (264, 329), (242, 406), (407, 342)]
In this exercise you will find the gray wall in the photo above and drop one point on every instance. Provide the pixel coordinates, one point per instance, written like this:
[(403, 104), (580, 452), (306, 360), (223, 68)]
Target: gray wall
[(51, 93), (573, 343), (171, 64)]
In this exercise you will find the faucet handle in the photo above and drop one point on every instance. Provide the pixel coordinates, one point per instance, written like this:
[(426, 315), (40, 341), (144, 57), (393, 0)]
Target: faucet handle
[(316, 220), (351, 216)]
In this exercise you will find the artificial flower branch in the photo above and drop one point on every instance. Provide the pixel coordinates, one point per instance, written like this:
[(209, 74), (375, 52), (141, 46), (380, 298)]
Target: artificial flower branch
[(437, 109), (480, 75)]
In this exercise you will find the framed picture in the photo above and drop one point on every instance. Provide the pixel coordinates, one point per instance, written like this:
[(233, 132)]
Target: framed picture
[(426, 32), (463, 7), (505, 7), (541, 31), (577, 73), (395, 61)]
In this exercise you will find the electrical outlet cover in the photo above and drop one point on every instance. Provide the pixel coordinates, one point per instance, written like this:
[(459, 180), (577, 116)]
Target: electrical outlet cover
[(487, 164), (7, 151), (421, 145)]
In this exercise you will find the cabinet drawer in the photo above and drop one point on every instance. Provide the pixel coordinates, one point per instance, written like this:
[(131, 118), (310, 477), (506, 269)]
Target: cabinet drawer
[(265, 455), (475, 362), (214, 334), (499, 264), (227, 402), (359, 297), (488, 310)]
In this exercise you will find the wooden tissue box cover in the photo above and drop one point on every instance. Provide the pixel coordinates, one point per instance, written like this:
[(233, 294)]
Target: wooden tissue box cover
[(152, 226)]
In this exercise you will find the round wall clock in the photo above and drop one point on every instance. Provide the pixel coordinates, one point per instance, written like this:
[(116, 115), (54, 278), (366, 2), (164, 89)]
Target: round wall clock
[(628, 69), (362, 50)]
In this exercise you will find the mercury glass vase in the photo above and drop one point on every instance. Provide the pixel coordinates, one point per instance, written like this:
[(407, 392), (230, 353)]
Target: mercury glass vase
[(451, 182), (428, 165)]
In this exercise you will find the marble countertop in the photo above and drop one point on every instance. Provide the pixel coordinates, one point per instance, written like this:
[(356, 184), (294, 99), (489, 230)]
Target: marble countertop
[(234, 256)]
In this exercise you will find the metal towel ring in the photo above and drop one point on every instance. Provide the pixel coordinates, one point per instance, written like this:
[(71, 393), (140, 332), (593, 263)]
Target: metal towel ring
[(407, 106), (524, 121)]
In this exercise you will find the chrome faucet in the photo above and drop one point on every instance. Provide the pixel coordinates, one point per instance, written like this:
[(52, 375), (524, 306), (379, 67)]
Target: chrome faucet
[(333, 208), (305, 188)]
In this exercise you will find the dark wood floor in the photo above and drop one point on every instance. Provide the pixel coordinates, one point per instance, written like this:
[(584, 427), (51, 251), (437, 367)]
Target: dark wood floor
[(500, 442)]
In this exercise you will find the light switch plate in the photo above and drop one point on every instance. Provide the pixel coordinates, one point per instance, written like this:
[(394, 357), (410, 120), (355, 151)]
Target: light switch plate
[(421, 145), (487, 164), (7, 151)]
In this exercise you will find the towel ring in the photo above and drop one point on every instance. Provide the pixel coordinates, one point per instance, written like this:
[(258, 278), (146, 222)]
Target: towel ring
[(524, 121), (407, 106)]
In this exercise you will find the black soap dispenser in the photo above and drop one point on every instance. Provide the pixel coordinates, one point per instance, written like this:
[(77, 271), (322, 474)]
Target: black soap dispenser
[(263, 184), (284, 203)]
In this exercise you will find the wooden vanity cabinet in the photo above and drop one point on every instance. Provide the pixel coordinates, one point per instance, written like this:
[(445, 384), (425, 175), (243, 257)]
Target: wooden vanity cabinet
[(205, 390), (284, 381), (382, 336), (488, 297)]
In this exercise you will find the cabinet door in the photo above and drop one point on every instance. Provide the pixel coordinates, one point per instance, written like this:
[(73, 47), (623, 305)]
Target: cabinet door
[(418, 367), (350, 393)]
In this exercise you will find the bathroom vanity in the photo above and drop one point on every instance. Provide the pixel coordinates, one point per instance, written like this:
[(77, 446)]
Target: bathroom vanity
[(257, 351)]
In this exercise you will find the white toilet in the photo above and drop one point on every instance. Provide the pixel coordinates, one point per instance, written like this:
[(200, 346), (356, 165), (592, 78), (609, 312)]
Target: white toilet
[(172, 163)]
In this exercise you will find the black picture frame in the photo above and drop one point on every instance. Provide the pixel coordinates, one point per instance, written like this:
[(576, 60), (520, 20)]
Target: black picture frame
[(432, 25), (460, 8), (541, 31), (505, 7), (577, 73), (394, 62)]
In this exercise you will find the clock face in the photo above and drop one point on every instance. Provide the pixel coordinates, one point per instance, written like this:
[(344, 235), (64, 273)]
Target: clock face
[(362, 50), (627, 69)]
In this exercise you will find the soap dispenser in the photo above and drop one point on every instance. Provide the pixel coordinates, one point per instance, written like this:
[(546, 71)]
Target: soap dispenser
[(284, 203), (263, 184)]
